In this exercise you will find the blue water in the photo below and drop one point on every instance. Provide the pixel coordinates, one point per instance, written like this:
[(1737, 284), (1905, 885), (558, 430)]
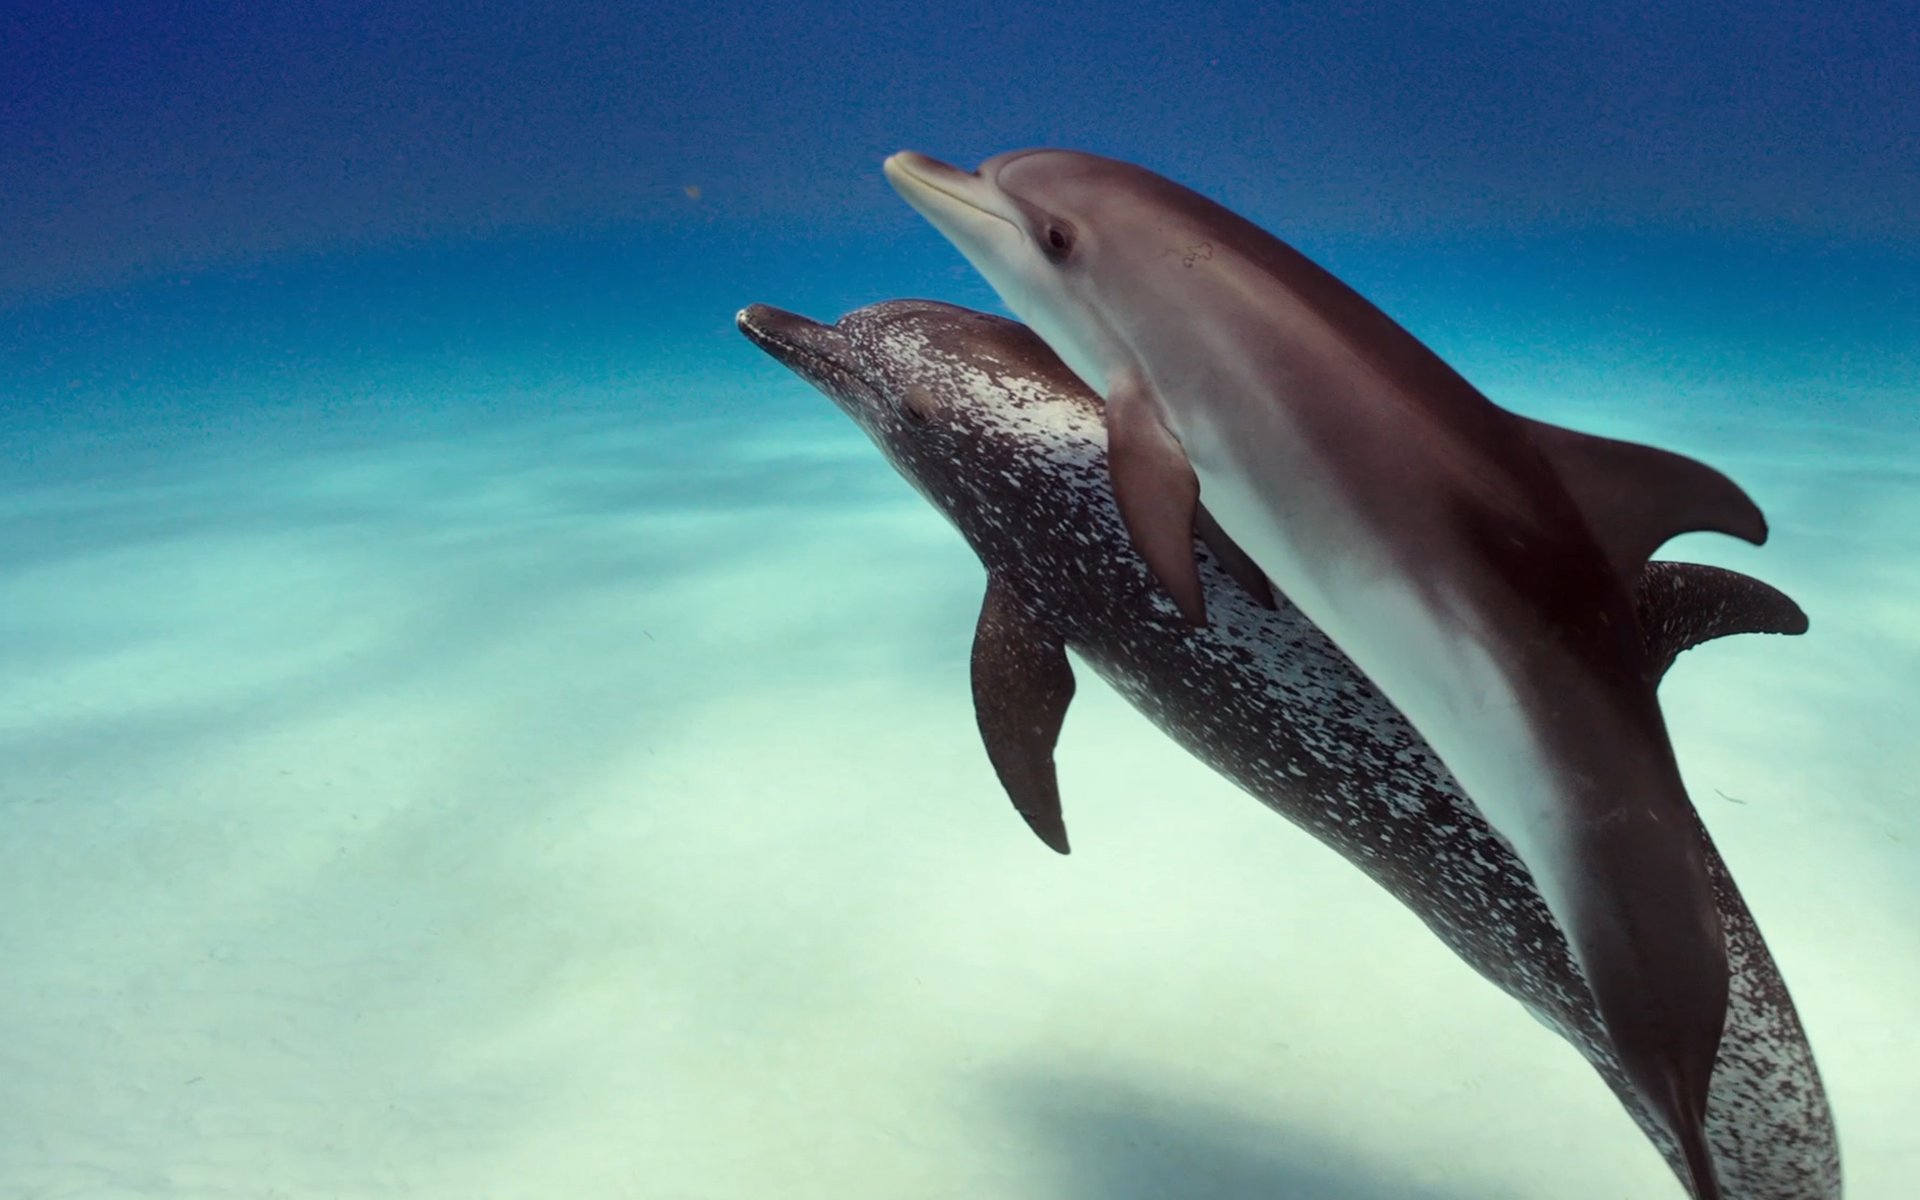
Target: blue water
[(474, 726)]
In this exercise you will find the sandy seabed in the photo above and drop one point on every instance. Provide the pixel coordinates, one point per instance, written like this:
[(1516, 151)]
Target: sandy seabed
[(590, 806)]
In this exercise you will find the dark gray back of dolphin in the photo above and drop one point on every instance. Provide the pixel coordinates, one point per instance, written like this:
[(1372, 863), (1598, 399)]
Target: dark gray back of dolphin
[(985, 422)]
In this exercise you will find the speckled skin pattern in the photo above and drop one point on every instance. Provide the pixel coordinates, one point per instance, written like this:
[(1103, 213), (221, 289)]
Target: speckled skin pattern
[(981, 418)]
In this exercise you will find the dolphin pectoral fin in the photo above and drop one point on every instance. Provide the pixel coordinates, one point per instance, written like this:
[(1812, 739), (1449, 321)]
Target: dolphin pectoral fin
[(1681, 605), (1636, 497), (1022, 684), (1157, 491), (1236, 562)]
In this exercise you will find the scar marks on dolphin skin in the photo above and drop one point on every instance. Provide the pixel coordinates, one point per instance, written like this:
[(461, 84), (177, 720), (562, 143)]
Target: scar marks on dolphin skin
[(1194, 253)]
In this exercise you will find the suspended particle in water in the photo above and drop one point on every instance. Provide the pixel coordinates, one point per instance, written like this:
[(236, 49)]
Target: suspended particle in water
[(693, 191)]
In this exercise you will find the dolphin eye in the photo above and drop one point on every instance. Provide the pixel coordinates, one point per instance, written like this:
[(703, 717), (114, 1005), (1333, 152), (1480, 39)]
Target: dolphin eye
[(918, 405), (1058, 242)]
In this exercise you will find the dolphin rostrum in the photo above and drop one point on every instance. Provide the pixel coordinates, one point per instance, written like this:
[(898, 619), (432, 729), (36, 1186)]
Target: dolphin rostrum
[(986, 423), (1478, 567)]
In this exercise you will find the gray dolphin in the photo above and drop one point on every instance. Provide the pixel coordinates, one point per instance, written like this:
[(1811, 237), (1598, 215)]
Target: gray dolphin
[(1478, 567), (986, 423)]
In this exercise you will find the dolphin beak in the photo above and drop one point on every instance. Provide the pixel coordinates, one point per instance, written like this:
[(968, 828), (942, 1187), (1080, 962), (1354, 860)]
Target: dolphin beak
[(819, 354), (914, 174), (960, 204), (793, 339)]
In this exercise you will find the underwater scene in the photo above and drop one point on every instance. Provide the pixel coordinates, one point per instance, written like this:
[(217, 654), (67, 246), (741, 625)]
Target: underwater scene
[(629, 601)]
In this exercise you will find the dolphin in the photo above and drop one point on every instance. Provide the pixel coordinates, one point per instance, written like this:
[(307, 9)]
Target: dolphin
[(1478, 567), (988, 425)]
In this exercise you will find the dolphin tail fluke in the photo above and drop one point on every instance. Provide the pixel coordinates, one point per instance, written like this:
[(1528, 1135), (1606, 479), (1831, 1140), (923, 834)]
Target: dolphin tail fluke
[(1157, 491), (1022, 684)]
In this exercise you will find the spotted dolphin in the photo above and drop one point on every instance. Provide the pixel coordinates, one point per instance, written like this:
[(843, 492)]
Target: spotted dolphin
[(986, 423), (1478, 567)]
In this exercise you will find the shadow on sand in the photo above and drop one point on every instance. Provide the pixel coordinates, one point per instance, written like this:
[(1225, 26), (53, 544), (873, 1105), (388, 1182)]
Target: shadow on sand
[(1115, 1141)]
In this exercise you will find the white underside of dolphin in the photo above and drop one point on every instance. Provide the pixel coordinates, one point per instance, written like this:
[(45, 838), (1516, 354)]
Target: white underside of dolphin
[(1413, 645), (1471, 563)]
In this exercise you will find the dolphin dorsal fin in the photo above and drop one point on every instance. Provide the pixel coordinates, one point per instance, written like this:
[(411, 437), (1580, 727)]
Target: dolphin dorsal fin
[(1682, 604), (1637, 497)]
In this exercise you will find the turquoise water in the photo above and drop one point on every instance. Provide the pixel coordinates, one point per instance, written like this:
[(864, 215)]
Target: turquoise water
[(465, 741), (473, 726)]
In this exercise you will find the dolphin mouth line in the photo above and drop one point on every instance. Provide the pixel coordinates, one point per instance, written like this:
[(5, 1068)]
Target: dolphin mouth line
[(751, 321), (772, 340), (902, 166)]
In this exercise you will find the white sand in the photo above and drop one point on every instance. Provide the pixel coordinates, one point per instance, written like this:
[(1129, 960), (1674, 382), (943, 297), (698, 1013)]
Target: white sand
[(591, 807)]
